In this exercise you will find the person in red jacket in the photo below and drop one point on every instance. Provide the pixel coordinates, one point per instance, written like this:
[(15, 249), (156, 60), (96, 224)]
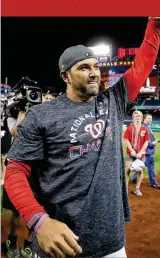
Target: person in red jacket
[(81, 211), (137, 137)]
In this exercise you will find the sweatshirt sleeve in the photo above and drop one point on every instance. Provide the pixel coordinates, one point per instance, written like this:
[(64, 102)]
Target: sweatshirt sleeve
[(20, 192), (144, 60)]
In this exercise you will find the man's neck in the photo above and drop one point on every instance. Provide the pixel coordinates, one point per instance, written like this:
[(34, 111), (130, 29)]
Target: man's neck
[(146, 123), (137, 124), (76, 96)]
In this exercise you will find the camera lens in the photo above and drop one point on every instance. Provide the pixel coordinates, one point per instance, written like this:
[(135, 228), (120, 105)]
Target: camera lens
[(33, 95)]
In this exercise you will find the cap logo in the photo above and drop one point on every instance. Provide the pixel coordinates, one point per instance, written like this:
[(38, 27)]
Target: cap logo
[(62, 66), (87, 54)]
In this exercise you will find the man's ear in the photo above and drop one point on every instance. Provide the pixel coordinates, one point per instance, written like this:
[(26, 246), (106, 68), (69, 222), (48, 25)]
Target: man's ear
[(65, 77)]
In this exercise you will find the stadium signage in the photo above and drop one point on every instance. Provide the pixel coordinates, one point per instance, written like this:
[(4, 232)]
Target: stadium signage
[(103, 63), (150, 89)]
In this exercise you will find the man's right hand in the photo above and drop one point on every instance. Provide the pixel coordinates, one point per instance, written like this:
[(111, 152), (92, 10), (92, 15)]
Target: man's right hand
[(133, 153), (56, 239)]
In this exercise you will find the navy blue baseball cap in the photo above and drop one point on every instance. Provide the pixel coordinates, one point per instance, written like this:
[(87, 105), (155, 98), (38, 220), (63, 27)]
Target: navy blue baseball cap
[(73, 55)]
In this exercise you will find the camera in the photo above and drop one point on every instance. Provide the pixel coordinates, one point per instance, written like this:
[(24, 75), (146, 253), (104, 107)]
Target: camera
[(26, 87), (30, 95)]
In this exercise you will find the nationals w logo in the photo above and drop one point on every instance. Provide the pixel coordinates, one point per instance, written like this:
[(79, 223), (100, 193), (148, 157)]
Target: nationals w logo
[(96, 129)]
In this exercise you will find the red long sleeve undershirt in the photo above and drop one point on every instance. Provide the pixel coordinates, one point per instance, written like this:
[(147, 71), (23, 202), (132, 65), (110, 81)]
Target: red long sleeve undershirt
[(16, 182), (20, 193)]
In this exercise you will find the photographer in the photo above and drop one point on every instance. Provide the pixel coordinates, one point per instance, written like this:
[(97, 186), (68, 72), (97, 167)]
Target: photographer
[(13, 123), (5, 145), (15, 117)]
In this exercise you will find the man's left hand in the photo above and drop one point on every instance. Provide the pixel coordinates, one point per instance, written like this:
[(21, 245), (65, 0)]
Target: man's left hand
[(139, 155)]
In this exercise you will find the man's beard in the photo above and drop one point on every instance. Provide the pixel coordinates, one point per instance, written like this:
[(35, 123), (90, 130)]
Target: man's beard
[(87, 91)]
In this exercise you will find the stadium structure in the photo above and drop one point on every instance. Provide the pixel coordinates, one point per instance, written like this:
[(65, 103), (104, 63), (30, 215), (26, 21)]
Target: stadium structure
[(148, 99), (112, 69)]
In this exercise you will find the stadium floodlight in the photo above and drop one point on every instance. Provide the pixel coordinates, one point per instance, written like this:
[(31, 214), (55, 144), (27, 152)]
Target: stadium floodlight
[(101, 50)]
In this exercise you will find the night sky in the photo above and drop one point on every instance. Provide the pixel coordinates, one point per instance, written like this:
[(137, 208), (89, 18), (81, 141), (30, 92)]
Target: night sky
[(32, 46)]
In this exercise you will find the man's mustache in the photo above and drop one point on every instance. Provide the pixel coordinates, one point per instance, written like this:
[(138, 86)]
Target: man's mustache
[(93, 80)]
